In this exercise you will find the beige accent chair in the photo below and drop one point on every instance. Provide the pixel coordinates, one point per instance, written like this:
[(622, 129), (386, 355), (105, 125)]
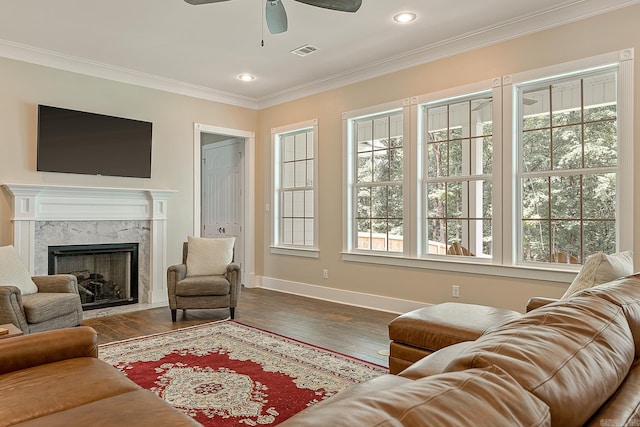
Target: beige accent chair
[(202, 292), (56, 305)]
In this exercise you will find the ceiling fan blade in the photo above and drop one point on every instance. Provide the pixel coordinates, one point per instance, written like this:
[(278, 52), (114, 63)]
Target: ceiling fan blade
[(276, 16), (341, 5), (195, 2)]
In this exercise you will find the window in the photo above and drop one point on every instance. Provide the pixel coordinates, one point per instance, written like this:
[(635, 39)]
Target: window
[(378, 182), (294, 152), (532, 169), (458, 162), (568, 170)]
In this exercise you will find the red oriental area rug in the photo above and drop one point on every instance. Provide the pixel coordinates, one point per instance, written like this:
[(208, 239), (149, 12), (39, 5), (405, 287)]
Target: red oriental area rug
[(230, 374)]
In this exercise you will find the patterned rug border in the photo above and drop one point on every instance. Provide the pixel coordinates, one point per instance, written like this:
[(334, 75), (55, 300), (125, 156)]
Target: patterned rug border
[(203, 325)]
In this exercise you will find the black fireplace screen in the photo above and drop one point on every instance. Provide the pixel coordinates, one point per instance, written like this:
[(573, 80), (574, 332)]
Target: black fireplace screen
[(107, 273)]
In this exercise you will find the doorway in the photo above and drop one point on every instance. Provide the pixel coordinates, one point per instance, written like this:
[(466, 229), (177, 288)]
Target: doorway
[(224, 190)]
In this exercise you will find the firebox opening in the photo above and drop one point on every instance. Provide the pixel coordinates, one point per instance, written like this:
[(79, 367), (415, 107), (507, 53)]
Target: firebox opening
[(107, 273)]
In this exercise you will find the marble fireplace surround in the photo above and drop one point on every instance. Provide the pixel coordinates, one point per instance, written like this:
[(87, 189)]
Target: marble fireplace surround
[(45, 215)]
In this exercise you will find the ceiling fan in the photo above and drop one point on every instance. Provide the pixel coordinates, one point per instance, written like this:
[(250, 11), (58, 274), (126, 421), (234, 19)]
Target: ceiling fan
[(276, 16)]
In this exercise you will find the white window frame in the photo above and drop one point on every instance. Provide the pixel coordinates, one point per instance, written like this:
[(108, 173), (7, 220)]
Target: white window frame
[(504, 260), (277, 247)]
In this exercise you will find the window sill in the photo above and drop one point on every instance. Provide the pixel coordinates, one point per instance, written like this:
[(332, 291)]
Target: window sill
[(300, 252), (469, 265)]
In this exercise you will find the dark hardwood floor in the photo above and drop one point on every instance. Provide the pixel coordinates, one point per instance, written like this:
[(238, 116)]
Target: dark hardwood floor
[(346, 329)]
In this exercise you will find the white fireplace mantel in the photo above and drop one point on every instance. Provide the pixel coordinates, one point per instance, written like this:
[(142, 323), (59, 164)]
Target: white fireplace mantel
[(32, 203)]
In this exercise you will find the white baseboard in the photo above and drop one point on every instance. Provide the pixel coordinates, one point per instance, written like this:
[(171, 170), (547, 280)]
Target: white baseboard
[(359, 299)]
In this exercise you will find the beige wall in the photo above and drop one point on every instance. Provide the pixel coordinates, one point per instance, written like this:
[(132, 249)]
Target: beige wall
[(603, 34), (23, 86)]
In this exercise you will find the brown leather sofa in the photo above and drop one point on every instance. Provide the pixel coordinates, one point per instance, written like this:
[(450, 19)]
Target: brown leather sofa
[(567, 363), (55, 379)]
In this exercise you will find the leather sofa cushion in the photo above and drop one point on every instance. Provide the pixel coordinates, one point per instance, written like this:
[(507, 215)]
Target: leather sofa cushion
[(58, 386), (435, 363), (624, 405), (572, 355), (133, 408), (42, 307), (623, 293), (442, 325), (203, 286), (446, 400)]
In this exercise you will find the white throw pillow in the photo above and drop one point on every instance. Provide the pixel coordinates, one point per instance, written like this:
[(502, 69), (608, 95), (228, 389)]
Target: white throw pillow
[(601, 268), (13, 271), (207, 256)]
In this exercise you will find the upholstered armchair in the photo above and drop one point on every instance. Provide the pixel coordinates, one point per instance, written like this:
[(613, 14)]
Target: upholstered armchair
[(207, 278), (36, 304)]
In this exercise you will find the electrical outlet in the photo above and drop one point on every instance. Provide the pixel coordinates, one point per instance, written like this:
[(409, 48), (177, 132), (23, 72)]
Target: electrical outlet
[(455, 291), (325, 274)]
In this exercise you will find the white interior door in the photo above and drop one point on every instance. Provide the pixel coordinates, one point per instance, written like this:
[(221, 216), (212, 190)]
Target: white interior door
[(222, 192)]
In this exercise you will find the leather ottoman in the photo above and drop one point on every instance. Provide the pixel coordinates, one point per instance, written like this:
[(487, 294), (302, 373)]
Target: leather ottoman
[(419, 333)]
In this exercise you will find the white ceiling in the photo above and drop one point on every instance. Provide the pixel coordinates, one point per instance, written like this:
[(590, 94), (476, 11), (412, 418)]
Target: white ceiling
[(200, 50)]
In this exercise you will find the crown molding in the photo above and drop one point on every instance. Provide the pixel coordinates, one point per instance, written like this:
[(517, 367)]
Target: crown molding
[(47, 58), (560, 15)]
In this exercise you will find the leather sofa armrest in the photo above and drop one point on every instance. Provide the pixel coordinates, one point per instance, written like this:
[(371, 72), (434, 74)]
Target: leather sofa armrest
[(537, 302), (56, 283), (31, 350)]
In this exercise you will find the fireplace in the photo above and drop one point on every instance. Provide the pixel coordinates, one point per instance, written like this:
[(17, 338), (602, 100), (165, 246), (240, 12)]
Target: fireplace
[(107, 273)]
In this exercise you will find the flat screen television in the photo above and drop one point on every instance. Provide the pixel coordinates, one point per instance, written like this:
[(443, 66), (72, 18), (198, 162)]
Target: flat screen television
[(72, 141)]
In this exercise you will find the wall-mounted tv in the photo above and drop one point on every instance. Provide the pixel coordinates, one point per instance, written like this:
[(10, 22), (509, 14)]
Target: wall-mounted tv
[(72, 141)]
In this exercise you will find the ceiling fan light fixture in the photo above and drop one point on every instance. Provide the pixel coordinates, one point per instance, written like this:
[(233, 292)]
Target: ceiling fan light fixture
[(245, 77), (404, 17)]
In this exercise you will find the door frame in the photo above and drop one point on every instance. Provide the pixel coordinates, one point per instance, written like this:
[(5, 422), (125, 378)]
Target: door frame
[(248, 192)]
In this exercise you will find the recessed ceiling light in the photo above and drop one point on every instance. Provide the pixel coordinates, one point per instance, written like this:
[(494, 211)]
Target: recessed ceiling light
[(404, 17), (246, 77)]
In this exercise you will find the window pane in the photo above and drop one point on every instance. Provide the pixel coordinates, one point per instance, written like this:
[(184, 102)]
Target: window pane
[(437, 124), (567, 147), (364, 234), (396, 164), (455, 233), (308, 204), (381, 165), (309, 173), (436, 237), (287, 203), (379, 202), (379, 235), (288, 176), (536, 150), (565, 197), (365, 167), (535, 109), (308, 232), (288, 147), (487, 237), (566, 240), (301, 174), (482, 156), (457, 165), (364, 203), (600, 93), (599, 196), (566, 100), (535, 198), (298, 231), (381, 131), (481, 117), (454, 196), (535, 240), (600, 144), (599, 236), (459, 116), (395, 202), (437, 159), (309, 135), (301, 146), (287, 231), (395, 235), (436, 200), (298, 204)]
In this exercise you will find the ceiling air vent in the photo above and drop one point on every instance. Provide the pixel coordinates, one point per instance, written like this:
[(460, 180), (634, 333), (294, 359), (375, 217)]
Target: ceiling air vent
[(304, 50)]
